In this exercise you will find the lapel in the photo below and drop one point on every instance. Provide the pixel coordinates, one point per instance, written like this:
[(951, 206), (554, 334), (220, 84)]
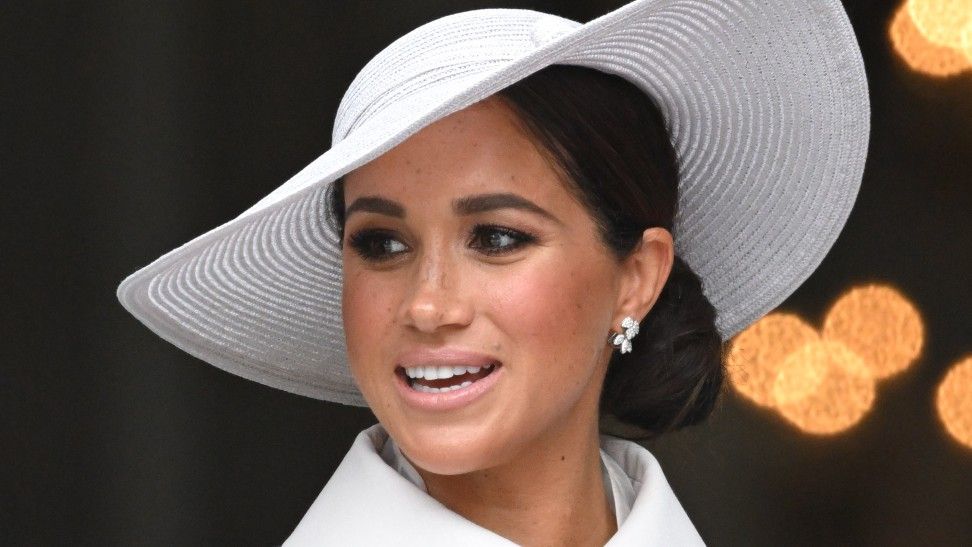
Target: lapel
[(366, 502), (656, 518)]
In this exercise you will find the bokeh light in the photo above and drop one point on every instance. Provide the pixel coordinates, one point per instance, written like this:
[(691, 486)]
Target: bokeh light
[(922, 54), (756, 354), (824, 388), (965, 42), (825, 382), (879, 324), (953, 401), (941, 22)]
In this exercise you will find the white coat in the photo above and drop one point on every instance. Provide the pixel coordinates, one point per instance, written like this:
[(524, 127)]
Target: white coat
[(368, 502)]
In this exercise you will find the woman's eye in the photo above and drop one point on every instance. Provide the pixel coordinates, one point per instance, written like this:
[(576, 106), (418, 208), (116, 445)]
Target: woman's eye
[(494, 240), (376, 245), (380, 245)]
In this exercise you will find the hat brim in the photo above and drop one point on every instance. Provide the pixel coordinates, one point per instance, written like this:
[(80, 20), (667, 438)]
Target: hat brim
[(767, 106)]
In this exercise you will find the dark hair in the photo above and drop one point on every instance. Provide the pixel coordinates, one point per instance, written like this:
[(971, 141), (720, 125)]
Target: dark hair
[(608, 140)]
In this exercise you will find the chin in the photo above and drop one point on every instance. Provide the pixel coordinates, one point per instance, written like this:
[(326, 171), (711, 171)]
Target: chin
[(448, 451)]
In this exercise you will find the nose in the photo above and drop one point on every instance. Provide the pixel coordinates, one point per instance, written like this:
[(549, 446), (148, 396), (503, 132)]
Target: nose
[(435, 298)]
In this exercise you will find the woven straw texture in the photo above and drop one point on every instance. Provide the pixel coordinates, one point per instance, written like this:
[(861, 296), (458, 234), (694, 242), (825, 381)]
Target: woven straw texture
[(766, 103)]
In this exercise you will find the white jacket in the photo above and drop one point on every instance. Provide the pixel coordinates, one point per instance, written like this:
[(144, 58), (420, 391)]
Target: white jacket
[(375, 497)]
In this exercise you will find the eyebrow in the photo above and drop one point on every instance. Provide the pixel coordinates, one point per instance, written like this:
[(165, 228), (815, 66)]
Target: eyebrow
[(375, 204), (488, 202), (466, 205)]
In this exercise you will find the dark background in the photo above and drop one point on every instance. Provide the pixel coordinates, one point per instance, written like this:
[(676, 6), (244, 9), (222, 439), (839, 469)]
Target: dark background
[(129, 128)]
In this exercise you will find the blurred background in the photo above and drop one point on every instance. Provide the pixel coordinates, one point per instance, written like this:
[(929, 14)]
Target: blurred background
[(128, 128)]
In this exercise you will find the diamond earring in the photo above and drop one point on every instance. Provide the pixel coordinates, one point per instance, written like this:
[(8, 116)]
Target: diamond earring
[(623, 341)]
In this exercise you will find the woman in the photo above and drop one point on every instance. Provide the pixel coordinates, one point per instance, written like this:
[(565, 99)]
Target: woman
[(527, 228)]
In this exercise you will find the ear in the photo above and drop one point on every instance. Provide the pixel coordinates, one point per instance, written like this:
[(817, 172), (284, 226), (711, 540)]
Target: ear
[(643, 275)]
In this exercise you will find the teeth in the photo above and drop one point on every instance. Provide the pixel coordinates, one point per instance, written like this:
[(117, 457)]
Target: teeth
[(427, 389), (437, 373)]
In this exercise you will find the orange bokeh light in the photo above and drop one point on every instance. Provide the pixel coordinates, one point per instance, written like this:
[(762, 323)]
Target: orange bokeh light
[(919, 52), (824, 388), (756, 354), (825, 382), (965, 42), (941, 22), (880, 325), (953, 401)]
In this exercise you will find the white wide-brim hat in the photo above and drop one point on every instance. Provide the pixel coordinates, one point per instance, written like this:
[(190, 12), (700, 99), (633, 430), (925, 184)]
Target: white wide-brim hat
[(766, 103)]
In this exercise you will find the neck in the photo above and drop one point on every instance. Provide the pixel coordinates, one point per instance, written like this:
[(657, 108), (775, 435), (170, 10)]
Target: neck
[(551, 493)]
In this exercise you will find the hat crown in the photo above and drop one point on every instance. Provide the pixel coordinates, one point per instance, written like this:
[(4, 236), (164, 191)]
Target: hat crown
[(439, 57)]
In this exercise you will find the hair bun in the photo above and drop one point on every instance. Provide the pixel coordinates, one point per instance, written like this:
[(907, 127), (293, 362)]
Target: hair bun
[(674, 373)]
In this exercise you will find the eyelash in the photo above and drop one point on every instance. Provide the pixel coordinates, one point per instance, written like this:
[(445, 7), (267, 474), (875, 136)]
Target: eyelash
[(363, 242)]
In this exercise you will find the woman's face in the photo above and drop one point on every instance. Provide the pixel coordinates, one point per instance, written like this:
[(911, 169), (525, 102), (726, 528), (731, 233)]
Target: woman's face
[(463, 239)]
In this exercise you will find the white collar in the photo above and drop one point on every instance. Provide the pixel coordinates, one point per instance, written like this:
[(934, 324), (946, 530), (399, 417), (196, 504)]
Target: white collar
[(369, 502), (619, 488)]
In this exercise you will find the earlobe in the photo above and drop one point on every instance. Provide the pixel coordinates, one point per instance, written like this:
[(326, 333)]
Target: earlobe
[(645, 272)]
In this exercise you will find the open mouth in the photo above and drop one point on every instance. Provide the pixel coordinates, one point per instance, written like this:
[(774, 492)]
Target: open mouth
[(443, 379)]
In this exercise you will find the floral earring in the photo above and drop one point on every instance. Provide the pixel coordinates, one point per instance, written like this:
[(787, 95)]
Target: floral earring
[(623, 341)]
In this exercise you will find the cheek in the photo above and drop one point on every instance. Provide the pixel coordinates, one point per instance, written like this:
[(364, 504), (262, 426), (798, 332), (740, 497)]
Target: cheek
[(367, 310), (552, 311)]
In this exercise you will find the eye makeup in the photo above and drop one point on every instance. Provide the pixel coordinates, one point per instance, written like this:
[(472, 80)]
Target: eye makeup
[(381, 245)]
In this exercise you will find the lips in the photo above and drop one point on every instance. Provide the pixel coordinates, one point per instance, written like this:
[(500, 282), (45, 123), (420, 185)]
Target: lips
[(466, 376), (446, 356)]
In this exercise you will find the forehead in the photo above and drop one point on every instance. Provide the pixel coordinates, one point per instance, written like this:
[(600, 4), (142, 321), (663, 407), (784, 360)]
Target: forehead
[(482, 148)]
